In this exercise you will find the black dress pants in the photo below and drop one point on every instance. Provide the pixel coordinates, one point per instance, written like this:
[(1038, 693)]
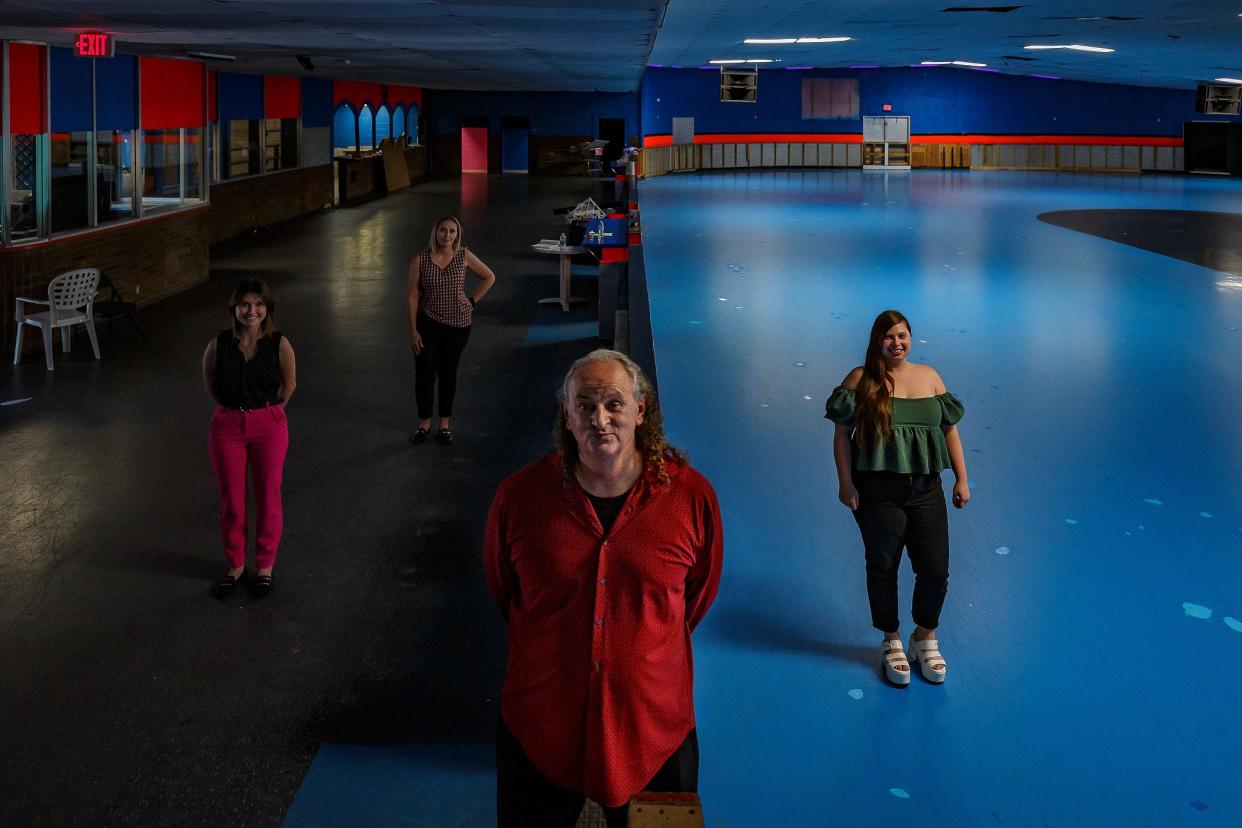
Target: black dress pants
[(442, 349), (896, 511), (526, 799)]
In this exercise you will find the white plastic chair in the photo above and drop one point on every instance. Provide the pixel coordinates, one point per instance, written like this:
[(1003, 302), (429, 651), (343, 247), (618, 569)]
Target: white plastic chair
[(70, 300)]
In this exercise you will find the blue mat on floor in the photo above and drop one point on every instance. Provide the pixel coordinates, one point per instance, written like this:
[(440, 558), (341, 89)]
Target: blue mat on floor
[(428, 786)]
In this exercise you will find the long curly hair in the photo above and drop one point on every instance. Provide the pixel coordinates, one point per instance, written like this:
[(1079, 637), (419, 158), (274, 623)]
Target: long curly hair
[(649, 436), (873, 417)]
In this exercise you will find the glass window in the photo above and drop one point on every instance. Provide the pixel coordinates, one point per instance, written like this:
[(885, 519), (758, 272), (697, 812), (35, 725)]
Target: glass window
[(243, 156), (280, 144), (70, 195), (171, 171), (114, 176), (23, 190)]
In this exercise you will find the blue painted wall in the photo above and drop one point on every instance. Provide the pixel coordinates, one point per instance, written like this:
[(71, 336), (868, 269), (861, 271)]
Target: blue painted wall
[(240, 96), (940, 100), (343, 126), (316, 102), (71, 92), (550, 113)]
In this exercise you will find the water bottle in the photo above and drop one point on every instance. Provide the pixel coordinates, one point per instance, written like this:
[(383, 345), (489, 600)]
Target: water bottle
[(562, 239)]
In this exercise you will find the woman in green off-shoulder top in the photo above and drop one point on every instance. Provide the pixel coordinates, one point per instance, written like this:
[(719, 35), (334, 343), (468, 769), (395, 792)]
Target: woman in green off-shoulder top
[(896, 430)]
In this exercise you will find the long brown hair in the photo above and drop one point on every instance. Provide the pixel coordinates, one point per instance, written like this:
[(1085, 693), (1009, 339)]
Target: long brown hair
[(649, 436), (873, 419), (259, 288)]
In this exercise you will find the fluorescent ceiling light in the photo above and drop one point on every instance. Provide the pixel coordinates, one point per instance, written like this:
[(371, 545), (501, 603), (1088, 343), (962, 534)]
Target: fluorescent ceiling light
[(935, 63), (785, 41), (731, 60), (759, 60), (1229, 80), (1075, 46), (967, 63)]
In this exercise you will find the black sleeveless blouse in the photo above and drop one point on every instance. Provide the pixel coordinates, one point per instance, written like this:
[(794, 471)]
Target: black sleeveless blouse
[(245, 384)]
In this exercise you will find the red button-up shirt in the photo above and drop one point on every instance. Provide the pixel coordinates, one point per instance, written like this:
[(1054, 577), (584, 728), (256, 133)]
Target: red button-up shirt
[(599, 686)]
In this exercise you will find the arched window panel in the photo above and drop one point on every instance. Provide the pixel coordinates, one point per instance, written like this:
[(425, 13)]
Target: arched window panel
[(344, 128), (366, 128), (383, 124)]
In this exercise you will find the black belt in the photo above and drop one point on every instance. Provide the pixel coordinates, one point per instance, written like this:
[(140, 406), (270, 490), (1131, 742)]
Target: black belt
[(265, 404)]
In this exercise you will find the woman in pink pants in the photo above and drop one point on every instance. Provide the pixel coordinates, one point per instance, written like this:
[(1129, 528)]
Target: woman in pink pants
[(249, 372)]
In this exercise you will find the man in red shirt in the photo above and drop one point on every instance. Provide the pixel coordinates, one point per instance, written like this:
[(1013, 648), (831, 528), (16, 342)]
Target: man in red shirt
[(603, 556)]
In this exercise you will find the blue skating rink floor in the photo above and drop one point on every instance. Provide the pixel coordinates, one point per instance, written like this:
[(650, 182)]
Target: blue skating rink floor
[(1093, 627)]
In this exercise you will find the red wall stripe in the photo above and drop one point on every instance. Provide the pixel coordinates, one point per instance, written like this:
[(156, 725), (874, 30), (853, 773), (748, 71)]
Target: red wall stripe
[(282, 97), (405, 95), (855, 138), (28, 82), (172, 93), (357, 93)]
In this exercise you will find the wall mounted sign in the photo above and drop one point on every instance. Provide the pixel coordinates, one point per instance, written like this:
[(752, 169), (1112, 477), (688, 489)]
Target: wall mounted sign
[(94, 45)]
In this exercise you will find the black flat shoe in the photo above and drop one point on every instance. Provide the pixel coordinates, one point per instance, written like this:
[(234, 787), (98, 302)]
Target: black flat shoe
[(444, 437), (224, 587), (260, 586), (419, 436)]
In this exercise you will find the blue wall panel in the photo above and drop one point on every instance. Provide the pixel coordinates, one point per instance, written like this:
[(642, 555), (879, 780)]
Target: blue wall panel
[(550, 113), (366, 126), (71, 92), (241, 97), (316, 102), (398, 121), (940, 100), (383, 124), (515, 149), (116, 93), (343, 124)]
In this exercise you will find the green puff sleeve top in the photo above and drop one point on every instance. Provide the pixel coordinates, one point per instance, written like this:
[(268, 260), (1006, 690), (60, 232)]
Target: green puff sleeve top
[(917, 444)]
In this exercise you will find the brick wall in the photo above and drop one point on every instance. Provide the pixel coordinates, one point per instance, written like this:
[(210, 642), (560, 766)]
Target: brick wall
[(264, 200)]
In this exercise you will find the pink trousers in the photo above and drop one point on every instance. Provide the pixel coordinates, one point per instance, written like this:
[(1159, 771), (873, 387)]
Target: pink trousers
[(260, 439)]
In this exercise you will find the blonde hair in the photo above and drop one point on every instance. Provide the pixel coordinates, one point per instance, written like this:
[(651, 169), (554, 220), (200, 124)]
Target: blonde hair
[(431, 243)]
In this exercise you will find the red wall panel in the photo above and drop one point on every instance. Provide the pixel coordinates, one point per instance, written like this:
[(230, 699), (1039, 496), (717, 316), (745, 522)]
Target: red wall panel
[(357, 93), (172, 93), (474, 149), (405, 95), (282, 97), (27, 86)]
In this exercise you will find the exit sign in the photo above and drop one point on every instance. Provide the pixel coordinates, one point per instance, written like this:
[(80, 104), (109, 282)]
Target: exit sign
[(94, 45)]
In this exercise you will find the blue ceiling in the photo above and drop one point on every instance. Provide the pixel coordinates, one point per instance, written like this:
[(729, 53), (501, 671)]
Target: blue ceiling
[(604, 44)]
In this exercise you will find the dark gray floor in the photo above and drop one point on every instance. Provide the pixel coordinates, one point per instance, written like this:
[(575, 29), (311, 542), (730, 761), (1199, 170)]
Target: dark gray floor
[(127, 694)]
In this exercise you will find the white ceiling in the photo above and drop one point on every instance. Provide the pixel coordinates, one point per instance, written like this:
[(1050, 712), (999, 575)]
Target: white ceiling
[(584, 45)]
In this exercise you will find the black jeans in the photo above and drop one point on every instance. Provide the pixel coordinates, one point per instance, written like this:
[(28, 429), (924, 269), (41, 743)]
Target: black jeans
[(903, 510), (442, 348), (526, 799)]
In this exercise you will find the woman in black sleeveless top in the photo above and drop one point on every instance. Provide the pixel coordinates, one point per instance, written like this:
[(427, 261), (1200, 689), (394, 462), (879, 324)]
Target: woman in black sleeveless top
[(250, 373)]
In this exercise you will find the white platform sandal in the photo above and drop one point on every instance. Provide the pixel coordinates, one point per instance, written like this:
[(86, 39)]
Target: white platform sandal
[(895, 656), (930, 661)]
